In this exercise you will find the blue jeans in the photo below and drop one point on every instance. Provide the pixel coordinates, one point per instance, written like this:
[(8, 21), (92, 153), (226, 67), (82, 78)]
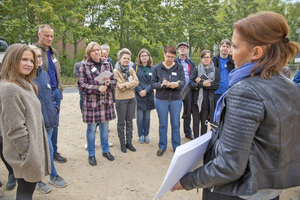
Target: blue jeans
[(56, 94), (143, 122), (163, 107), (49, 134), (90, 137)]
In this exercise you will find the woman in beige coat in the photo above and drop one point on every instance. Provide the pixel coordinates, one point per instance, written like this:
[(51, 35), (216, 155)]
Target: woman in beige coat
[(25, 145), (125, 98)]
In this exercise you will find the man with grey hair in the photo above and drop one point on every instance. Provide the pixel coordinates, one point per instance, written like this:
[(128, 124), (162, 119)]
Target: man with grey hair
[(188, 66), (107, 48), (51, 65)]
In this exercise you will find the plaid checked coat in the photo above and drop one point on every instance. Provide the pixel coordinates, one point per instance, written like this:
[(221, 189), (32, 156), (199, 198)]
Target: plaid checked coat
[(97, 107)]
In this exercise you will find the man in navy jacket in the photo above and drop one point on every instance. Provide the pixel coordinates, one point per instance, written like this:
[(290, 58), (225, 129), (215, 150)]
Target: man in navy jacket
[(188, 66)]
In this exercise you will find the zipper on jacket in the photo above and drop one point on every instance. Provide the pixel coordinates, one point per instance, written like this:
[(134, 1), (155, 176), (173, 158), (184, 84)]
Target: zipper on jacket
[(216, 149)]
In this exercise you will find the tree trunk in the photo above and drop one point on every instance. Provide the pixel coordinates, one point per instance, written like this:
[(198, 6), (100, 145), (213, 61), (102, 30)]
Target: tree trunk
[(75, 48), (64, 46)]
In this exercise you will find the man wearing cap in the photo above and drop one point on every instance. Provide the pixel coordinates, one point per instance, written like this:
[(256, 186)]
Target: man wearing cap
[(188, 66)]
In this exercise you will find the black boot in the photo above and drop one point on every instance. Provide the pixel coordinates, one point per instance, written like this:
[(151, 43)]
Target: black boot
[(123, 147), (122, 142), (11, 182), (130, 147)]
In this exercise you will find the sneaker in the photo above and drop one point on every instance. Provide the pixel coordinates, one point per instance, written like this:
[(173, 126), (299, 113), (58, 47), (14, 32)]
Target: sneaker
[(58, 158), (57, 181), (43, 187), (141, 139), (147, 140)]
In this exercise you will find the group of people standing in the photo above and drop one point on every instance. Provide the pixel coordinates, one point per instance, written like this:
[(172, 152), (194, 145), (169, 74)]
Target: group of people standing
[(254, 153), (130, 88)]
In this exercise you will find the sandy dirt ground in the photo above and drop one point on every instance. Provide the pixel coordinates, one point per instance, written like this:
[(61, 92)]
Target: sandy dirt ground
[(131, 176)]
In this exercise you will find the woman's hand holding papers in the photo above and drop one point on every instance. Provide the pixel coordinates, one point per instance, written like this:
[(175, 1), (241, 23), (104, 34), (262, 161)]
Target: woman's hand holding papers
[(177, 186)]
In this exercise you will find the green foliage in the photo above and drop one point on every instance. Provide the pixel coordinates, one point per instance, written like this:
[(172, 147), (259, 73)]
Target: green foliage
[(135, 24)]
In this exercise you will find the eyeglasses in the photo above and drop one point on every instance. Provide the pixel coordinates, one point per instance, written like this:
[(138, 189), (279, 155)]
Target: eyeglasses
[(183, 47), (206, 58), (169, 57), (144, 56), (39, 57)]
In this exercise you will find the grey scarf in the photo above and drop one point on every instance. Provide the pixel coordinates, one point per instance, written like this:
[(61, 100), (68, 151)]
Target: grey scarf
[(124, 71), (208, 71)]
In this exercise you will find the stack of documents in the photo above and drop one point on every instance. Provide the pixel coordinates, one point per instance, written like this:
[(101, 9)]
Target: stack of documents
[(187, 158), (105, 74)]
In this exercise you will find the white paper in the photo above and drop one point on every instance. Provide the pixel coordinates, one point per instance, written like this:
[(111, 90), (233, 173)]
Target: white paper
[(105, 74), (186, 158)]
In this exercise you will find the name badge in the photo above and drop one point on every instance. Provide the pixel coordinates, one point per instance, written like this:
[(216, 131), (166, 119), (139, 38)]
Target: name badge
[(48, 86), (150, 74), (54, 60), (130, 78), (94, 69), (174, 74)]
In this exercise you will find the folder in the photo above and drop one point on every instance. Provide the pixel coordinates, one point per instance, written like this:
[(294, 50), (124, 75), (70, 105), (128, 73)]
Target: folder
[(186, 158), (105, 74)]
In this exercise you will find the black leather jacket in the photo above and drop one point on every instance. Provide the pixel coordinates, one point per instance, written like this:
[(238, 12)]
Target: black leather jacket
[(259, 141)]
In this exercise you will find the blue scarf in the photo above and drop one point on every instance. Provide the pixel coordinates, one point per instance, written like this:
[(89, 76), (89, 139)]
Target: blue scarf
[(235, 76)]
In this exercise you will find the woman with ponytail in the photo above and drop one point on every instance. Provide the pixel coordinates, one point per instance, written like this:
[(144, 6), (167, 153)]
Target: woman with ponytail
[(257, 151)]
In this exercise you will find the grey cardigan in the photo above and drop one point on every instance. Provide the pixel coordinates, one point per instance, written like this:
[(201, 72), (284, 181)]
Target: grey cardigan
[(25, 145)]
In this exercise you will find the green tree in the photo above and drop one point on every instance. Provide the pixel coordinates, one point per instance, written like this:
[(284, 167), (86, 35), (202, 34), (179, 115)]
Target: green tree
[(19, 20)]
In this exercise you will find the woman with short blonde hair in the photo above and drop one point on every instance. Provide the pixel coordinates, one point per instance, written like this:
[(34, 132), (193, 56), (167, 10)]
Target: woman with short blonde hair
[(125, 98)]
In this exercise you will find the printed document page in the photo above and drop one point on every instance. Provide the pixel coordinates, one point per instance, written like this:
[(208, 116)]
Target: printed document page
[(187, 158), (105, 74)]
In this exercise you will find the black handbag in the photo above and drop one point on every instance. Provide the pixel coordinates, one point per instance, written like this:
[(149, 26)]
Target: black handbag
[(185, 92)]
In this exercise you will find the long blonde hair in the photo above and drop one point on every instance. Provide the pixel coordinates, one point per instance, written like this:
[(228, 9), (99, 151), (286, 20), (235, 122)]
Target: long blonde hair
[(10, 68)]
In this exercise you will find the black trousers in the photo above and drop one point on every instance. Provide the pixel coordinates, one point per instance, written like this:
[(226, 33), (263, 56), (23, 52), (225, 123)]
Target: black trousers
[(25, 190), (208, 195), (8, 167), (199, 117), (187, 126)]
